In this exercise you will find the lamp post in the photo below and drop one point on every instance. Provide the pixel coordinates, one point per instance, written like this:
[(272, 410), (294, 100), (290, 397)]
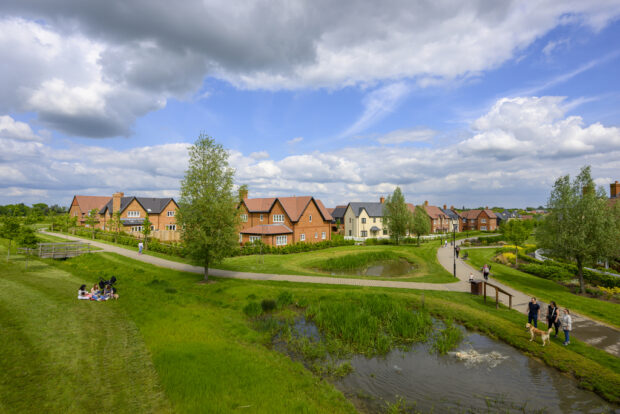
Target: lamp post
[(454, 247)]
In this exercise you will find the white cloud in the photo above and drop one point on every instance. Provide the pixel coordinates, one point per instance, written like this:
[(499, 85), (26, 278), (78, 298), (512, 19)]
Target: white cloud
[(294, 141), (401, 136), (12, 129), (259, 155)]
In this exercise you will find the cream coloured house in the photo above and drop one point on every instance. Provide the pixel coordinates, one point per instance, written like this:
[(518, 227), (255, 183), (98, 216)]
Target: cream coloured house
[(364, 220)]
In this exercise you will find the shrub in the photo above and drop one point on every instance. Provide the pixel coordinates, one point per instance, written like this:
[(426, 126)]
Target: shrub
[(284, 298), (510, 257), (546, 271), (268, 305), (252, 309)]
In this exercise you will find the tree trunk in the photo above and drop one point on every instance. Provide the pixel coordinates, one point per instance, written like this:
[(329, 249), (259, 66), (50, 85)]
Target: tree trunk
[(516, 256), (582, 284), (93, 234), (206, 270)]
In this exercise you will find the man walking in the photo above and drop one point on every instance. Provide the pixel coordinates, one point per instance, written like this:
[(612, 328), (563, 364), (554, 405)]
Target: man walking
[(533, 312), (458, 251), (140, 247)]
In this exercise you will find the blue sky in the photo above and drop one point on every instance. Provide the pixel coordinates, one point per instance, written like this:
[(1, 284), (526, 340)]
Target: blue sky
[(459, 104)]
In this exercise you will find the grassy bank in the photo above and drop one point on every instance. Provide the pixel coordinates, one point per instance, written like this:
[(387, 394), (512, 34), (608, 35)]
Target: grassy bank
[(546, 289), (355, 261), (202, 349)]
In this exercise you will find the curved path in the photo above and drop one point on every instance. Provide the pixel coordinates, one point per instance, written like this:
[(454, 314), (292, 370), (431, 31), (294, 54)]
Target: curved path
[(585, 329)]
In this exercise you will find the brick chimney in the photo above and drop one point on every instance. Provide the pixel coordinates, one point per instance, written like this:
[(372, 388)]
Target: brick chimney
[(614, 189), (451, 207), (116, 202), (382, 199), (444, 207), (426, 203)]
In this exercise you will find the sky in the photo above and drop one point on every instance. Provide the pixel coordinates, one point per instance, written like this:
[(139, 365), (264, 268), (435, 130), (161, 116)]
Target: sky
[(478, 103)]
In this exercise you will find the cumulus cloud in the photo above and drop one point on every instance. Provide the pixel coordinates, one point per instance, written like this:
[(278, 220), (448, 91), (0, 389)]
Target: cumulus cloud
[(402, 136), (12, 129), (92, 68), (295, 140)]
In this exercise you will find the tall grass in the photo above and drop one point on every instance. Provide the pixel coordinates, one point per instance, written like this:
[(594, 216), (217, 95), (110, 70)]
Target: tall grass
[(355, 261), (369, 324), (447, 339)]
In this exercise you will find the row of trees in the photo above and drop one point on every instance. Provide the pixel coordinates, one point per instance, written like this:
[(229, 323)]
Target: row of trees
[(400, 221), (35, 213)]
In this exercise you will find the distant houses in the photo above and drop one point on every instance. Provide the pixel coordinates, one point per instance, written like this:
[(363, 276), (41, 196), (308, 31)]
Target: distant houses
[(483, 220), (133, 211)]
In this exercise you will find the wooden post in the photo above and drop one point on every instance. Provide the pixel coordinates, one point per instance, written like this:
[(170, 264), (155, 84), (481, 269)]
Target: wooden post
[(485, 292), (496, 298)]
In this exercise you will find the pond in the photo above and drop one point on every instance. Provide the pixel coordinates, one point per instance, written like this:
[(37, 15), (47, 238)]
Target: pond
[(382, 268), (482, 374)]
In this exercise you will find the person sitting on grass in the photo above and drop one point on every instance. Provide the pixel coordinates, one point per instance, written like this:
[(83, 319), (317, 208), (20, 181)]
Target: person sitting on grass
[(83, 293), (109, 293), (95, 289)]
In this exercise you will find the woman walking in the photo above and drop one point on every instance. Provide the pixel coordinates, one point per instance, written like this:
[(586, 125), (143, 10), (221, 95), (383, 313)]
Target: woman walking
[(553, 317), (567, 325)]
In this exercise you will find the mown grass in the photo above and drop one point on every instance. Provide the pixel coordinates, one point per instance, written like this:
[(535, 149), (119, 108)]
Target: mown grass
[(355, 261), (547, 290), (207, 353)]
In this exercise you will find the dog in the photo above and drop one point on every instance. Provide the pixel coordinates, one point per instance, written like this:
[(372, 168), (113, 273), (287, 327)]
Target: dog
[(535, 331)]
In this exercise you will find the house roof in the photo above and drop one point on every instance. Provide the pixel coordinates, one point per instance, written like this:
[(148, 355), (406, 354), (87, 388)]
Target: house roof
[(293, 206), (268, 229), (450, 213), (338, 212), (372, 209), (151, 205), (87, 203), (434, 212), (473, 214)]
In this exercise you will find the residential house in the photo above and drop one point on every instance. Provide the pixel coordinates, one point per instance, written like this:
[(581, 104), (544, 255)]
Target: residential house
[(614, 193), (440, 221), (81, 206), (365, 220), (279, 221), (454, 219), (505, 216), (484, 220), (161, 213), (337, 214)]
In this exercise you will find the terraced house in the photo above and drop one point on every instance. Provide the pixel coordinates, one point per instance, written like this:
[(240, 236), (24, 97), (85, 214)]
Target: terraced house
[(278, 221)]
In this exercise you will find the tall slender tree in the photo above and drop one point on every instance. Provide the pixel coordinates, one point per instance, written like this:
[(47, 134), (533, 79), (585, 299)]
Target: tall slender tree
[(146, 229), (396, 215), (92, 220), (207, 214), (420, 223), (10, 230), (516, 232), (581, 225), (115, 224)]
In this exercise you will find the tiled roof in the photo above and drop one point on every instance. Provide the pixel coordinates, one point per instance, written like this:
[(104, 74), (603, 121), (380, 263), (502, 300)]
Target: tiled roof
[(373, 209), (87, 203), (450, 213), (473, 214), (338, 212), (434, 212), (293, 206), (268, 229), (490, 213), (151, 205)]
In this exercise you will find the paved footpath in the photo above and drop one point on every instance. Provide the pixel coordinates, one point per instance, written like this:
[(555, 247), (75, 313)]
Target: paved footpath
[(584, 329)]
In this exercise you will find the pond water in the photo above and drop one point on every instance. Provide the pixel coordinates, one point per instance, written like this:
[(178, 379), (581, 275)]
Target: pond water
[(382, 268), (481, 375)]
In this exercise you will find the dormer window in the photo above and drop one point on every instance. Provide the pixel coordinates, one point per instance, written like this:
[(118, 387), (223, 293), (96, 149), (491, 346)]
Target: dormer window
[(133, 214)]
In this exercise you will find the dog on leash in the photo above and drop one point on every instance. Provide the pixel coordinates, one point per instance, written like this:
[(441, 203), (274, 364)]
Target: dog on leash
[(535, 331)]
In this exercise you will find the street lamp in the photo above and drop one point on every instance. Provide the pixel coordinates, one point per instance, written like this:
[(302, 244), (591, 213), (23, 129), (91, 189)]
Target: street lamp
[(454, 247)]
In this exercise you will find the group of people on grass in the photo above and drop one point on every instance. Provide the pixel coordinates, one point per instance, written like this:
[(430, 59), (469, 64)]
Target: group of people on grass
[(97, 293), (553, 318)]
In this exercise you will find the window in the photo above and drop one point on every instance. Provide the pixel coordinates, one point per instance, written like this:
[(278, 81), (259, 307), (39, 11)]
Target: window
[(170, 213), (464, 220), (364, 220), (483, 220), (278, 218), (483, 228), (261, 217), (349, 232), (302, 237), (244, 218), (385, 232), (364, 233), (374, 219), (240, 238), (133, 214), (316, 235), (152, 227), (171, 226), (350, 220), (323, 235), (310, 218), (254, 238), (280, 240), (136, 228)]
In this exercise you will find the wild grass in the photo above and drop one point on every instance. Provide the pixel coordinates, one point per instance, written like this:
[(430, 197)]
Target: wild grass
[(355, 261), (447, 339)]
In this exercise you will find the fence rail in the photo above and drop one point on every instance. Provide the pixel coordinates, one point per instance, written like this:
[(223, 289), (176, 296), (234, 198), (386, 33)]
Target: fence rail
[(57, 250)]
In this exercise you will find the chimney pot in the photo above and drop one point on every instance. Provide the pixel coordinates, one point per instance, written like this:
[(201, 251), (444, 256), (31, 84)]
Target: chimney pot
[(116, 201), (426, 202), (614, 189), (382, 200), (444, 207)]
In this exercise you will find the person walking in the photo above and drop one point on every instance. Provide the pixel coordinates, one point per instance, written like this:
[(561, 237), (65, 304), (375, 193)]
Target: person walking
[(533, 312), (553, 317), (140, 247), (486, 269), (445, 244), (567, 326), (458, 251)]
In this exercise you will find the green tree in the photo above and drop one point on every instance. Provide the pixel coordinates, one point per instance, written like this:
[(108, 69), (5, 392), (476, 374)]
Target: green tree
[(581, 225), (73, 223), (516, 232), (10, 230), (420, 222), (207, 214), (115, 224), (146, 229), (396, 215), (92, 219)]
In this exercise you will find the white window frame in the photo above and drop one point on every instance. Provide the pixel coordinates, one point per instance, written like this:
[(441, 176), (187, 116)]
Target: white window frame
[(364, 233), (240, 238), (171, 226), (261, 217), (316, 234), (281, 240), (137, 228), (254, 238), (133, 213), (244, 218), (483, 228), (483, 220), (323, 235), (278, 218), (363, 220), (170, 213), (302, 237)]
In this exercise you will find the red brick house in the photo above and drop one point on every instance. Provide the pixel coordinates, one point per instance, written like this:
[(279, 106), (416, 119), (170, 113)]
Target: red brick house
[(440, 221), (82, 205), (279, 221), (484, 220)]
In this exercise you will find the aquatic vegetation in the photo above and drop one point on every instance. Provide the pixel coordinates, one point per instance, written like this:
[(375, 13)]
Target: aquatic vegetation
[(354, 261), (447, 338)]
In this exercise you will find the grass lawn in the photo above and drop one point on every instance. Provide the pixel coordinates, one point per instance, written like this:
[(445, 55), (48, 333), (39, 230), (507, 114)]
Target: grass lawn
[(546, 289), (427, 268), (171, 343)]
